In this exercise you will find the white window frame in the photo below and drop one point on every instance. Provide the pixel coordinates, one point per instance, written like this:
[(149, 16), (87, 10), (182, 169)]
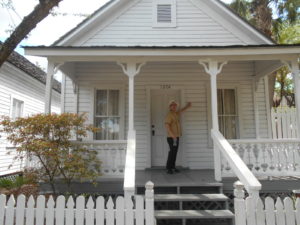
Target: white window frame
[(173, 13), (121, 108), (237, 115), (237, 101), (12, 98)]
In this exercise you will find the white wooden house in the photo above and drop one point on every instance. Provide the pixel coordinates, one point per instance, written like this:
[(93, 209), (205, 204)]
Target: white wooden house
[(125, 62), (22, 93)]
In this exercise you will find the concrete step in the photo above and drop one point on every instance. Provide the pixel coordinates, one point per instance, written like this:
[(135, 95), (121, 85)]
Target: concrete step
[(193, 214), (190, 197)]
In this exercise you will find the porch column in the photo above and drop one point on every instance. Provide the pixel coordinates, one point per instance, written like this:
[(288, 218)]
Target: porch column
[(51, 70), (131, 69), (48, 93), (213, 68), (296, 77)]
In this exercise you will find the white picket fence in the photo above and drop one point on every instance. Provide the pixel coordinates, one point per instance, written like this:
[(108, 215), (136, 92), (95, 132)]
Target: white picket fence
[(284, 124), (138, 211), (251, 211)]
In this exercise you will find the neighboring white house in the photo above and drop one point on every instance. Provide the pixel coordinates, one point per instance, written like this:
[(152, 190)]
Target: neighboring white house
[(22, 93), (125, 62)]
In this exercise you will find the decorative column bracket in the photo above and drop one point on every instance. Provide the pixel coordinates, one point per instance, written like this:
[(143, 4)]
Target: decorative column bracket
[(131, 69), (212, 67)]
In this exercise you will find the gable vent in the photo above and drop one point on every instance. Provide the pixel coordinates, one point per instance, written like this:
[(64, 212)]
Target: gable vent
[(164, 13)]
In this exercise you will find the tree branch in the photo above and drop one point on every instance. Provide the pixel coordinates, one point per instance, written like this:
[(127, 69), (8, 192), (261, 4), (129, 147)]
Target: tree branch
[(29, 22)]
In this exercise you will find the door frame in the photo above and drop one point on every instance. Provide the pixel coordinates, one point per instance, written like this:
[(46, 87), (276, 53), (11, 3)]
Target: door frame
[(164, 86)]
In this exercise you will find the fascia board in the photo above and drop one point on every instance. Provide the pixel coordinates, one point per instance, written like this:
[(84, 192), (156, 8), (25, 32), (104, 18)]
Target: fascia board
[(241, 28), (48, 52)]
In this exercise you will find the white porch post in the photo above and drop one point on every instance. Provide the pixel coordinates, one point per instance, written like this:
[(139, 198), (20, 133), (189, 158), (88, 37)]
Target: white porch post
[(48, 93), (296, 76), (213, 68), (131, 69)]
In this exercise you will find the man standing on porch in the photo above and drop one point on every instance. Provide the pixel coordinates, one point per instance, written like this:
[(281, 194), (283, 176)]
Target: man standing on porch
[(172, 123)]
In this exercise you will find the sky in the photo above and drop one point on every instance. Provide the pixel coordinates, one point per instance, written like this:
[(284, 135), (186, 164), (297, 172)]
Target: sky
[(51, 28)]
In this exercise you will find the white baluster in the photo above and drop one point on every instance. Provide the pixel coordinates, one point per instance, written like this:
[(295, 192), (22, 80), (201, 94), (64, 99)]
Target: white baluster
[(265, 161)]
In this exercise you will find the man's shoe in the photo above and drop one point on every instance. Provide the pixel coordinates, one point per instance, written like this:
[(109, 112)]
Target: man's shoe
[(169, 171), (176, 170)]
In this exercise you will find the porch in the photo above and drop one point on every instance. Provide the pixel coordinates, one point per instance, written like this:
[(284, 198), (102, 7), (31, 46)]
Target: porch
[(228, 158)]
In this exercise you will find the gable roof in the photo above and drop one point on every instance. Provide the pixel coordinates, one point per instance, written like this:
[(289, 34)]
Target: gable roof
[(32, 70), (99, 15)]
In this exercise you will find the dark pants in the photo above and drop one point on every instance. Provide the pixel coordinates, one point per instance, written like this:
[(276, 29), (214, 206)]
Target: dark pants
[(172, 153)]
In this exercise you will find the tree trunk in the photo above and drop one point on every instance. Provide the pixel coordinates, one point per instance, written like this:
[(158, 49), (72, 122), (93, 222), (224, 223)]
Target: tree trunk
[(263, 16), (29, 22)]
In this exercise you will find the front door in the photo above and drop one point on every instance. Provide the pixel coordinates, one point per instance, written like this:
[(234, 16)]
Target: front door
[(159, 109)]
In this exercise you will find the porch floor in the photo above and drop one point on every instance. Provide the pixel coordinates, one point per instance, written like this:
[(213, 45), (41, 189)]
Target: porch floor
[(188, 177)]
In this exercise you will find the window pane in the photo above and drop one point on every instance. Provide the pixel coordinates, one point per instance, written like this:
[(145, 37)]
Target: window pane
[(17, 108), (230, 127), (101, 103), (109, 128), (220, 102), (101, 123), (113, 126), (113, 107), (229, 102), (221, 125)]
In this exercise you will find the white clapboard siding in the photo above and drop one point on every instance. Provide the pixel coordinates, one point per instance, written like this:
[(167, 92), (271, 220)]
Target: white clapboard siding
[(14, 83), (194, 82), (267, 212), (138, 211), (135, 27)]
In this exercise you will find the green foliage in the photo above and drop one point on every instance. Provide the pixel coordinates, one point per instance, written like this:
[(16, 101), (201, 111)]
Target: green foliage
[(46, 139), (6, 183), (284, 87), (16, 182), (268, 15), (287, 33)]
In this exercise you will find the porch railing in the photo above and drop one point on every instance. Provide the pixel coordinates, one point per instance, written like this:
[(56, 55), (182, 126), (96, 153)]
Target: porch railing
[(111, 155), (266, 157), (237, 165)]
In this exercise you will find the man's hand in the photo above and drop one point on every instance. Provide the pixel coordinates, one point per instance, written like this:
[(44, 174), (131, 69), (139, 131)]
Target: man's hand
[(188, 105)]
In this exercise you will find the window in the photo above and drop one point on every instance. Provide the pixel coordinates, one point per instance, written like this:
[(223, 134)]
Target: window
[(17, 108), (107, 114), (164, 13), (227, 113)]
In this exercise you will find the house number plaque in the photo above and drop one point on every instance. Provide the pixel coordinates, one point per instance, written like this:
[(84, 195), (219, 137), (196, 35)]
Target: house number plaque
[(165, 86)]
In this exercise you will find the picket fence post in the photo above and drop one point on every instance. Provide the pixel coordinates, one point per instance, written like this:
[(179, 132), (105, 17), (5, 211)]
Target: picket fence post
[(239, 204), (149, 195)]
